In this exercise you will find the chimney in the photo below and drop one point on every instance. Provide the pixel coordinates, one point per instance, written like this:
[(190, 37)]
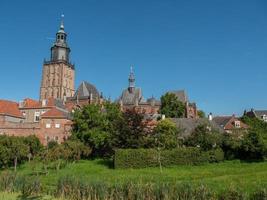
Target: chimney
[(44, 102), (210, 117), (21, 104), (64, 99)]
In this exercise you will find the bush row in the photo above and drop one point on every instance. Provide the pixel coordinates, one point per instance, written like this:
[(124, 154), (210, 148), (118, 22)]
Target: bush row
[(140, 158)]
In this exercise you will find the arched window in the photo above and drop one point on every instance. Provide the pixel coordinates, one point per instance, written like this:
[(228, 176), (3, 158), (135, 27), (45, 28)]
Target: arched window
[(62, 37)]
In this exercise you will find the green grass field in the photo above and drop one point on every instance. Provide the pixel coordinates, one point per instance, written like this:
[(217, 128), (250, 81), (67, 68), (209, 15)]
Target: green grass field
[(245, 176)]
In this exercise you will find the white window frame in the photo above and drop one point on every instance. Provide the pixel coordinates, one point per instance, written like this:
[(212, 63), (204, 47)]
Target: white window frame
[(37, 114), (57, 125), (47, 125), (237, 124)]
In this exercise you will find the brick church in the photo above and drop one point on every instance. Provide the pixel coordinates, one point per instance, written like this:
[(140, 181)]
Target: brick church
[(49, 118)]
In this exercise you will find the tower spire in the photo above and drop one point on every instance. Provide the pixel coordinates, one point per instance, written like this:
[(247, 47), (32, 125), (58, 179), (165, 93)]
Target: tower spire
[(62, 22), (131, 80), (60, 50)]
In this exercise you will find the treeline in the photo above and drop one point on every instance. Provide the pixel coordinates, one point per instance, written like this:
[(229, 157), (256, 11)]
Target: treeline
[(105, 128)]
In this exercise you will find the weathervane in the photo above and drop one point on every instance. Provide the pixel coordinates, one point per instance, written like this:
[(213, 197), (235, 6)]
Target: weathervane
[(62, 21)]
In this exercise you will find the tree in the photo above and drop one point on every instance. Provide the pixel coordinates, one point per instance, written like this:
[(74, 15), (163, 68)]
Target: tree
[(204, 138), (75, 150), (34, 145), (201, 114), (256, 125), (253, 147), (167, 134), (171, 107), (93, 126), (19, 151), (130, 131), (231, 144)]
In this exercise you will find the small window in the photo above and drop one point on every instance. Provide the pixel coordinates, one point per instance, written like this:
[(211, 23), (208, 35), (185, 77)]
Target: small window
[(58, 37), (48, 126), (57, 125), (56, 138), (237, 124), (36, 116), (62, 37)]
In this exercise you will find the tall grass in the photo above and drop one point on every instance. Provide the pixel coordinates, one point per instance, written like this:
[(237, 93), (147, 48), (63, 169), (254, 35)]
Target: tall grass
[(27, 186), (79, 189)]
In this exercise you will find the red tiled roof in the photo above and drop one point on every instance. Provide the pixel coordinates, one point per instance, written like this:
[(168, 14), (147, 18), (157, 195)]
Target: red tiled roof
[(31, 103), (10, 108), (228, 122), (55, 113)]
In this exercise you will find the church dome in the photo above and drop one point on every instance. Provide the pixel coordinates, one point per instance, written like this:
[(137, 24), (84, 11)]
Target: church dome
[(86, 90)]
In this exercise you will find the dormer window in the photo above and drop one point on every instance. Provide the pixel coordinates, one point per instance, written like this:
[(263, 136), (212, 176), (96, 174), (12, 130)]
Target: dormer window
[(237, 124)]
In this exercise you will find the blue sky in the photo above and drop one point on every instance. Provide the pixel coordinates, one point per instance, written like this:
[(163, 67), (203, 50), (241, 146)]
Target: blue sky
[(214, 49)]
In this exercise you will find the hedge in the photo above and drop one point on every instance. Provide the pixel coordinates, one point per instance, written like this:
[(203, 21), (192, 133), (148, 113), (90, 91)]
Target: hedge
[(140, 158)]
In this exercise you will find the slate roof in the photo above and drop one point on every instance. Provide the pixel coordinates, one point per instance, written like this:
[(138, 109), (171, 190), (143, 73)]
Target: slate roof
[(181, 95), (129, 98), (85, 90), (222, 120), (260, 113), (10, 108), (228, 122), (188, 125)]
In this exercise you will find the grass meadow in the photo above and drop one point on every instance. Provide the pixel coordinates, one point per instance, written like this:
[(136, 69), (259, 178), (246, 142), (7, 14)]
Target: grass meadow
[(220, 176)]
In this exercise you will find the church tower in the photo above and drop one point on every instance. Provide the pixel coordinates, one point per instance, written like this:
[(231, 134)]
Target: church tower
[(58, 73)]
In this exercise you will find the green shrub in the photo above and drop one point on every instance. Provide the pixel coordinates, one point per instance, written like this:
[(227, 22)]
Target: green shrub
[(214, 156), (139, 158)]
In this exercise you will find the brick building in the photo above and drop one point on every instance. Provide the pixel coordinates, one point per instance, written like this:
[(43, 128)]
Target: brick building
[(230, 124), (132, 98)]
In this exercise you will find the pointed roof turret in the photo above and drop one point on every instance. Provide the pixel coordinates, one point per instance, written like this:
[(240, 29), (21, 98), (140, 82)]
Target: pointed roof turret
[(61, 28), (131, 81)]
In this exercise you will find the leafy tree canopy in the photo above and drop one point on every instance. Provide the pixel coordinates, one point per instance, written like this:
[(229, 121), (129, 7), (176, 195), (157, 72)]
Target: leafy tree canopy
[(171, 107), (204, 138), (167, 134)]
